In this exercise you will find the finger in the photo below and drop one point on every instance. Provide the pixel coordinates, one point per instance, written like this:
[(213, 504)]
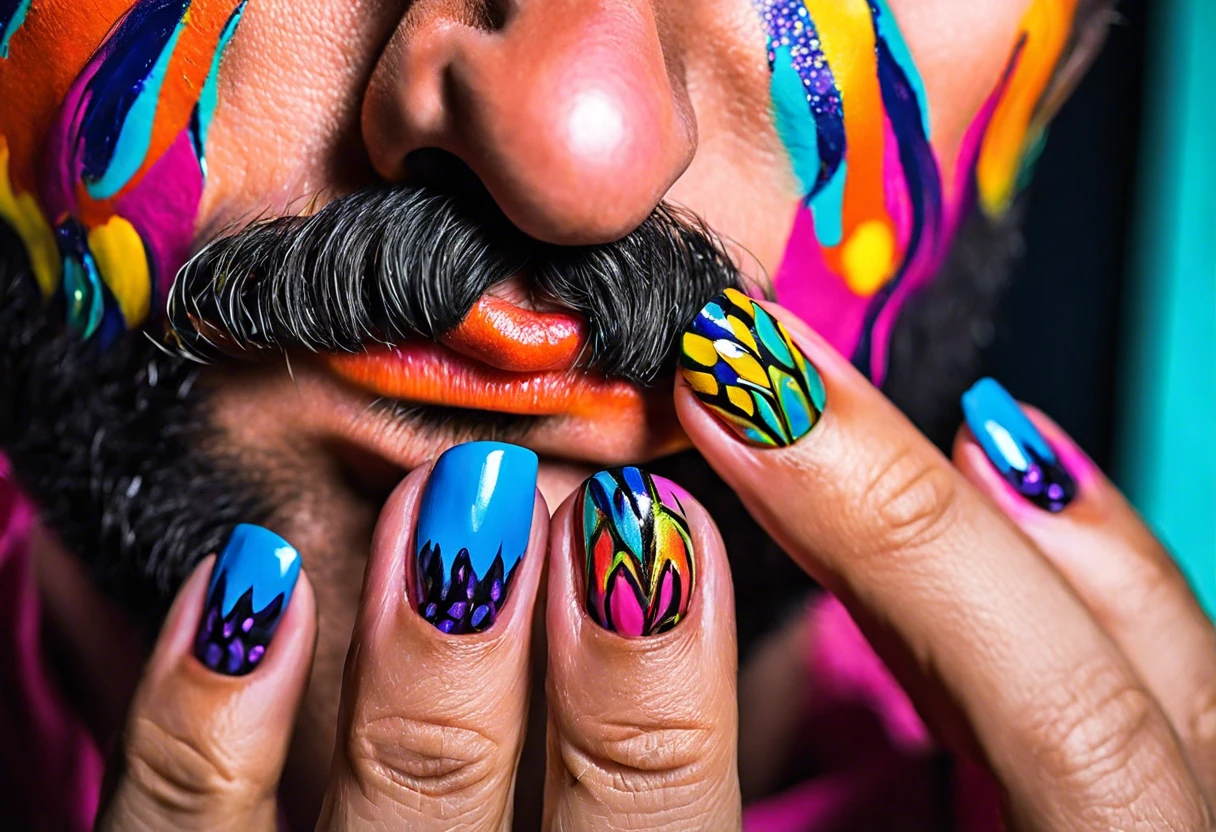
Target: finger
[(1102, 548), (962, 607), (435, 693), (210, 724), (643, 716)]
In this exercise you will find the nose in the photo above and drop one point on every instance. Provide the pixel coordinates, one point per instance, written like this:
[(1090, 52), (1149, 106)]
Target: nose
[(568, 110)]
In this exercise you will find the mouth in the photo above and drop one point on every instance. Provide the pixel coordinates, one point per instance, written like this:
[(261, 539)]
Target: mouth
[(519, 355)]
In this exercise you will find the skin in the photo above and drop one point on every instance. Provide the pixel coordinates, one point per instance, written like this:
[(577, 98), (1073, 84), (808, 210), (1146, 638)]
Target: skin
[(1045, 671)]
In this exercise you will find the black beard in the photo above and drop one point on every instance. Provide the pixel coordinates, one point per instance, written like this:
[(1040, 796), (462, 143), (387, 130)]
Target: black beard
[(116, 449)]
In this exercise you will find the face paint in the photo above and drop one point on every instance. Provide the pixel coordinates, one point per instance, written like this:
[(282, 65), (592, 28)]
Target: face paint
[(878, 214), (101, 172)]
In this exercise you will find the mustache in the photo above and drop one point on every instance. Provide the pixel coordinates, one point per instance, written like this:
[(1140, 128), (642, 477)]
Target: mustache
[(388, 264)]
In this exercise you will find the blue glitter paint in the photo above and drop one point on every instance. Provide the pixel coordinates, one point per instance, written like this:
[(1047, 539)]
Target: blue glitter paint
[(793, 44), (122, 96), (12, 15)]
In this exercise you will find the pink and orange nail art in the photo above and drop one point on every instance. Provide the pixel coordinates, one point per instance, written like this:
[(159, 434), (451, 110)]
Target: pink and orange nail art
[(640, 567)]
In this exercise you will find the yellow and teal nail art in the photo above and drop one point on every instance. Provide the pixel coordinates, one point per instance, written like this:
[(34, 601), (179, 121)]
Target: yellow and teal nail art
[(743, 365)]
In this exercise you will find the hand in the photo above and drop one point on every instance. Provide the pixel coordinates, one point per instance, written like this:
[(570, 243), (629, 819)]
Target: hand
[(641, 697), (1049, 636)]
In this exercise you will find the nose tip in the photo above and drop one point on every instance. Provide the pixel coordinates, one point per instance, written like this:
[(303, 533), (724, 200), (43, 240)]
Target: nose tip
[(570, 116)]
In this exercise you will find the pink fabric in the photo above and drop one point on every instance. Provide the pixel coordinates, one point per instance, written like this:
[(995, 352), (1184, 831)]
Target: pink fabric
[(877, 767), (50, 769)]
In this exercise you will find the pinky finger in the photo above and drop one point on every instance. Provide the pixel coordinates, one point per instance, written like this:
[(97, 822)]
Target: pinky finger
[(1038, 476), (210, 724)]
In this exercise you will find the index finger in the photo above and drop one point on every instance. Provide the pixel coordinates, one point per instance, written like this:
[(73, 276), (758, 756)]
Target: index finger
[(966, 611)]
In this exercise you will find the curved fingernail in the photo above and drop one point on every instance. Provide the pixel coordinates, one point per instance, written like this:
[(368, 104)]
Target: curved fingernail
[(744, 366), (638, 555), (251, 585), (473, 529), (1016, 448)]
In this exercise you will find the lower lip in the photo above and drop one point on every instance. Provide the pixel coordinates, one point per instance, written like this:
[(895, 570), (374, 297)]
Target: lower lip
[(427, 373)]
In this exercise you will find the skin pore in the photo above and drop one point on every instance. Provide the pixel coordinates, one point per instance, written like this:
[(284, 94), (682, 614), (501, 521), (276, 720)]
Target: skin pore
[(577, 117)]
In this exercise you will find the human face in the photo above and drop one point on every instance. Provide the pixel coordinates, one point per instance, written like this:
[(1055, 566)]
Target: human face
[(834, 144)]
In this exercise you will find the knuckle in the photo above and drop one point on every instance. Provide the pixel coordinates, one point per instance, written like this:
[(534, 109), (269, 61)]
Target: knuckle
[(399, 756), (1100, 740), (1097, 725), (913, 498), (633, 758), (175, 772), (1200, 729)]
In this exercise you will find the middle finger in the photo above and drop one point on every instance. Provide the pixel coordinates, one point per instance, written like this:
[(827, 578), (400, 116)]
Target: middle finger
[(435, 692)]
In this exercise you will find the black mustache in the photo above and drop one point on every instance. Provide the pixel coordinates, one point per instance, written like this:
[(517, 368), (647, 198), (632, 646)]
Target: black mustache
[(384, 265)]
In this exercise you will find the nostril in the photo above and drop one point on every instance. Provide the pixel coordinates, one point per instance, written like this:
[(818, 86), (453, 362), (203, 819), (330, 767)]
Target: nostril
[(430, 167)]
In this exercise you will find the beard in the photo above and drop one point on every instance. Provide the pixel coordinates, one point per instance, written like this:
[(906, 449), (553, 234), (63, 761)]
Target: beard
[(117, 448)]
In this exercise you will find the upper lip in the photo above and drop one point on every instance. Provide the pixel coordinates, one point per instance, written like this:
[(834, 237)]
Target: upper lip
[(508, 336)]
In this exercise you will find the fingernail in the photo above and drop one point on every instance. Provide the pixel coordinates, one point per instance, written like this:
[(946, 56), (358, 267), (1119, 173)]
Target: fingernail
[(473, 529), (743, 365), (639, 561), (1016, 448), (251, 585)]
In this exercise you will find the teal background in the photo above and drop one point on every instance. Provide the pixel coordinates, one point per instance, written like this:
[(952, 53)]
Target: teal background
[(1165, 440)]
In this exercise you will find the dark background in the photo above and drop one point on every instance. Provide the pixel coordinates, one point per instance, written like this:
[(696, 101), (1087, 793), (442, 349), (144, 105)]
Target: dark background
[(1056, 342)]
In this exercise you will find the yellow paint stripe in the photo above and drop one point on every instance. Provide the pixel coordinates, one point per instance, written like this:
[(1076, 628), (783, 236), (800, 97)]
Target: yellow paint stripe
[(123, 264), (22, 213)]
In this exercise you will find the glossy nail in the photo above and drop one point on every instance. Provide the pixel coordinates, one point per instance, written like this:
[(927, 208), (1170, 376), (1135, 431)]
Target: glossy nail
[(251, 585), (473, 529), (743, 365), (1016, 448), (638, 555)]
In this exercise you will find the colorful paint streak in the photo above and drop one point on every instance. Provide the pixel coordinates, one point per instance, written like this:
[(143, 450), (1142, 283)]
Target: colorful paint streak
[(639, 562), (743, 365), (103, 186), (878, 215)]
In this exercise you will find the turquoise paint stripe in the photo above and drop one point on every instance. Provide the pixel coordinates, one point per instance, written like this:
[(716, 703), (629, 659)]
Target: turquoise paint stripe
[(210, 95), (14, 23), (135, 137), (1166, 451), (794, 123)]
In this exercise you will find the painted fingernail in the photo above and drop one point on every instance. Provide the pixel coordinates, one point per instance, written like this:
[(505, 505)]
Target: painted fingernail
[(1016, 448), (639, 560), (251, 585), (473, 530), (743, 365)]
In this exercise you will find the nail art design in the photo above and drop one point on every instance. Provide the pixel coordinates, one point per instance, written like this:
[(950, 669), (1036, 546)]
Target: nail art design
[(743, 365), (251, 585), (1016, 448), (639, 557), (473, 530)]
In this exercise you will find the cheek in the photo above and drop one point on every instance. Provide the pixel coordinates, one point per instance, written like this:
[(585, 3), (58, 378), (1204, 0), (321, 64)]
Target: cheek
[(887, 109), (740, 181), (286, 127)]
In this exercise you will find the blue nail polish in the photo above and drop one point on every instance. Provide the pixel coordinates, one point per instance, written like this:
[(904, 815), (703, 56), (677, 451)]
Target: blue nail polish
[(473, 529), (1016, 448), (251, 585)]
